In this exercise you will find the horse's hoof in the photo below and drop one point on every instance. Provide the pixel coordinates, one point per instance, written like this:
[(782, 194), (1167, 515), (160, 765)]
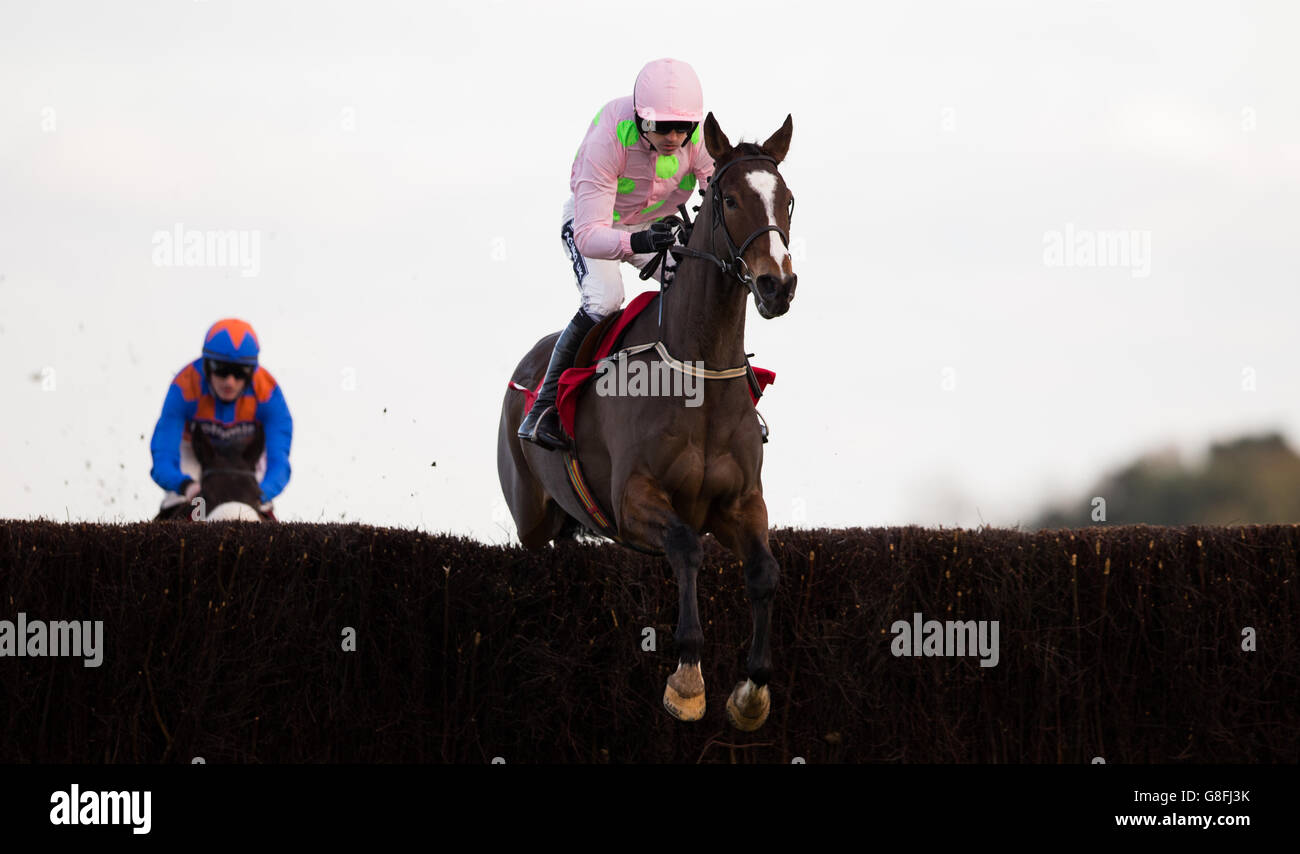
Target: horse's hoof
[(684, 693), (748, 705)]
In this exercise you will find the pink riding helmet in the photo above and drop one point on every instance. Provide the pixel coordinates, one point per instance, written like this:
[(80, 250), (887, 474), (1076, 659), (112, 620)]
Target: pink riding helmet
[(667, 90)]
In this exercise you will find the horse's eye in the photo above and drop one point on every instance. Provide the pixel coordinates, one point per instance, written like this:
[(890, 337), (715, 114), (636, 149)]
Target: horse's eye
[(730, 201)]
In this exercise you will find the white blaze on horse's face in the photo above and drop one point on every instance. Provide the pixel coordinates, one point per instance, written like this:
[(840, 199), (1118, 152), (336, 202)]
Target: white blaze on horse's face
[(764, 183)]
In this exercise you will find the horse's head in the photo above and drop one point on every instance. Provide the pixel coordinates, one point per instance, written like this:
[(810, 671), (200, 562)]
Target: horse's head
[(751, 208), (228, 455)]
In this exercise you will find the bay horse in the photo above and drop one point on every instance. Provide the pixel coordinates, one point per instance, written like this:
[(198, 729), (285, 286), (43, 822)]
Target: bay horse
[(227, 456), (667, 472)]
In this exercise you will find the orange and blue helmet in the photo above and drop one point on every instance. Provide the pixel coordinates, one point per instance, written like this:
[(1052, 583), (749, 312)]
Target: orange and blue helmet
[(231, 340)]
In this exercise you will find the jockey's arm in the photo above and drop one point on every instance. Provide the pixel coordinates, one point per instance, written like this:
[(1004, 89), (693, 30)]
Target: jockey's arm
[(165, 446), (277, 426), (593, 199)]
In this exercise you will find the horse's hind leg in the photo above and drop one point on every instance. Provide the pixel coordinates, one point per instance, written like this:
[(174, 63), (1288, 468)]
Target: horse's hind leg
[(648, 517), (538, 519), (744, 533)]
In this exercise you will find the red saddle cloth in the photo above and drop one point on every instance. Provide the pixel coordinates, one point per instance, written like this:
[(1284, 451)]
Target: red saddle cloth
[(573, 380)]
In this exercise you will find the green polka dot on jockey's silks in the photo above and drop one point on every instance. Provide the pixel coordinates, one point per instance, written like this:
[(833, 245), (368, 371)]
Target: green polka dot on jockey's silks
[(596, 120), (627, 133), (656, 205), (616, 216), (687, 183), (666, 165), (626, 185), (695, 136)]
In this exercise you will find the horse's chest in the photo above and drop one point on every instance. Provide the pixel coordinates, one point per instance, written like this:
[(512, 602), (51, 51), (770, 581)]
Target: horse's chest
[(723, 477), (700, 476)]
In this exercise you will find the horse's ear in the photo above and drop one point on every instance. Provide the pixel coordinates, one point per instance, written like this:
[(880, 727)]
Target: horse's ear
[(253, 450), (715, 141), (779, 143), (201, 445)]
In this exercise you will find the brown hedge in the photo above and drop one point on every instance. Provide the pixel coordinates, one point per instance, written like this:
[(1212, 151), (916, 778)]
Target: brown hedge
[(224, 641)]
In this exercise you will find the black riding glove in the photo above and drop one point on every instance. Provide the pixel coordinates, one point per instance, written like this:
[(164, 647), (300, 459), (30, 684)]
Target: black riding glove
[(658, 236)]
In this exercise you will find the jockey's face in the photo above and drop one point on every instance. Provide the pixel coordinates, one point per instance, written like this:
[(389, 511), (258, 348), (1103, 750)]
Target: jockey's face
[(667, 143), (228, 388)]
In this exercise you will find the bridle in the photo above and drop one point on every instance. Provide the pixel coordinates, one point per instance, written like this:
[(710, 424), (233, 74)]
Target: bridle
[(733, 262)]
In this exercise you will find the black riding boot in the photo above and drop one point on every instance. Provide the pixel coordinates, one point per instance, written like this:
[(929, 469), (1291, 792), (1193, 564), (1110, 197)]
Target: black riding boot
[(542, 423)]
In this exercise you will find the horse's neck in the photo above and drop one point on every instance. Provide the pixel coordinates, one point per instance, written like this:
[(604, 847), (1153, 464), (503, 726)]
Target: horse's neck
[(704, 313), (222, 468)]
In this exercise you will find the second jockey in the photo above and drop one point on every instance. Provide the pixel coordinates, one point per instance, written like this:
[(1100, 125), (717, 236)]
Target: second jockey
[(641, 158), (225, 385)]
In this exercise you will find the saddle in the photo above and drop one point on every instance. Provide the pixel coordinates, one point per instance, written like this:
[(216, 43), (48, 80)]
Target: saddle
[(603, 340)]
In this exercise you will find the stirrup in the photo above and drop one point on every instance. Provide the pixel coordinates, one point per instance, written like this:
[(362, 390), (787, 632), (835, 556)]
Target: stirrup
[(762, 425), (551, 440)]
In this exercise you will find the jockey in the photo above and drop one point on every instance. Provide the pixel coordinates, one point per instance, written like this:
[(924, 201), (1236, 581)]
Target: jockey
[(641, 158), (227, 386)]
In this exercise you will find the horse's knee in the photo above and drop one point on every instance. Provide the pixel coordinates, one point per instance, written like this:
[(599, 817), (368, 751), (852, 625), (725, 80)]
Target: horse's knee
[(683, 543), (761, 576)]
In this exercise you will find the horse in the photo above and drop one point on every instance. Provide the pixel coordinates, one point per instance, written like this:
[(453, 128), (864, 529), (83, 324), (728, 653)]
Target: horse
[(671, 473), (229, 489)]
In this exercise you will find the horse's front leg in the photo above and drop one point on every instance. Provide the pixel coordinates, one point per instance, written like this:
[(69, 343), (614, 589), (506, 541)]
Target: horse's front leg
[(743, 530), (647, 517)]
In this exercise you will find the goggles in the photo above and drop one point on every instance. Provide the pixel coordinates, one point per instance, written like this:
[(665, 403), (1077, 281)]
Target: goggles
[(669, 127), (229, 369)]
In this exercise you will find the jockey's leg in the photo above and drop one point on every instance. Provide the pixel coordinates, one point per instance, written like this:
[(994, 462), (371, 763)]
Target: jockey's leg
[(600, 282), (542, 424)]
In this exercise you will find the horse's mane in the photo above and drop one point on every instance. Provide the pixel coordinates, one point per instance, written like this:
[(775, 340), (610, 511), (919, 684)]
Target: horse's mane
[(741, 150)]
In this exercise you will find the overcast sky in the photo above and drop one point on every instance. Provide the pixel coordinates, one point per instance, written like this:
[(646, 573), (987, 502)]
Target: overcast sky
[(403, 166)]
